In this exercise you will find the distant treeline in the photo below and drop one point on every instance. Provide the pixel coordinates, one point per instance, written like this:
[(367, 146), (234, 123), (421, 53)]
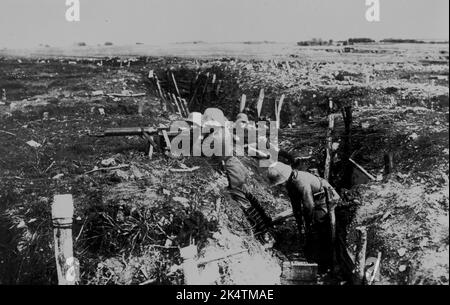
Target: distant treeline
[(396, 40), (259, 42), (351, 41), (360, 40), (315, 42)]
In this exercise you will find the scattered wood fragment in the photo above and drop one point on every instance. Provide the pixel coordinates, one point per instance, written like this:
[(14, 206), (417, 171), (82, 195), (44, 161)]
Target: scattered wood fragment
[(184, 170), (220, 257), (126, 95), (362, 169), (147, 282), (375, 269), (7, 132), (107, 168)]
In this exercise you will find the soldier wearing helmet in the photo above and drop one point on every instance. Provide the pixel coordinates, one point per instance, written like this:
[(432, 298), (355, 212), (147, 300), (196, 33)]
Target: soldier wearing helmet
[(313, 201)]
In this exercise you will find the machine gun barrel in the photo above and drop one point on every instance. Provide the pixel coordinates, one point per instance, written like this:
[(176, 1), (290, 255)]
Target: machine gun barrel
[(126, 131)]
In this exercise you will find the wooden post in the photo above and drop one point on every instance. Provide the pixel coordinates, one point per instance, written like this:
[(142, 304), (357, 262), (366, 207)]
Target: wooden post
[(278, 110), (243, 101), (360, 259), (183, 106), (348, 120), (66, 265), (184, 102), (140, 108), (191, 274), (388, 163), (205, 88), (219, 84), (174, 100), (260, 102), (329, 143), (175, 85), (194, 94), (288, 67)]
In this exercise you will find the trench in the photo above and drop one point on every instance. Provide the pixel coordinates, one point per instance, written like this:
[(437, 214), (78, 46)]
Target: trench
[(302, 139)]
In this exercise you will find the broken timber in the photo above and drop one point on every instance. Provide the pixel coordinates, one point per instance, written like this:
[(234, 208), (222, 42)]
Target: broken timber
[(67, 266), (361, 171)]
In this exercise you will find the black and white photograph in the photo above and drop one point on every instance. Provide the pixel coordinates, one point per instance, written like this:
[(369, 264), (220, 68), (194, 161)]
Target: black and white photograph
[(224, 143)]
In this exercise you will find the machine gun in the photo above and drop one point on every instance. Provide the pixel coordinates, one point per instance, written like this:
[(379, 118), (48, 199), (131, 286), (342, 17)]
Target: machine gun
[(160, 138), (155, 136)]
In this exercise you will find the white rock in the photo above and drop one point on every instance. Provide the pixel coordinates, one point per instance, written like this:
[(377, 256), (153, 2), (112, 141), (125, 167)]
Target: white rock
[(109, 162), (413, 136), (58, 176), (401, 252), (34, 144), (97, 93)]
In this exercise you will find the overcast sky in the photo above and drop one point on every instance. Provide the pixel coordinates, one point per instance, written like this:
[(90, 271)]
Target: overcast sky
[(28, 23)]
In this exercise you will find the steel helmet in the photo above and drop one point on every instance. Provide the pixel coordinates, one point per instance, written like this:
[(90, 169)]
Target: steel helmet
[(279, 173), (242, 117), (214, 114)]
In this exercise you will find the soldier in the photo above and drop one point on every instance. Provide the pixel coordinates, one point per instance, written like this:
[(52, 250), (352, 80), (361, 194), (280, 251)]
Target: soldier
[(313, 202)]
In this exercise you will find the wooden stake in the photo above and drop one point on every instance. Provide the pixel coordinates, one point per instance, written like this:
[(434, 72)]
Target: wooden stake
[(329, 142), (360, 256), (175, 84), (183, 106), (67, 266), (219, 84), (184, 102), (288, 67), (388, 163), (174, 100), (260, 102), (278, 110), (243, 102)]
